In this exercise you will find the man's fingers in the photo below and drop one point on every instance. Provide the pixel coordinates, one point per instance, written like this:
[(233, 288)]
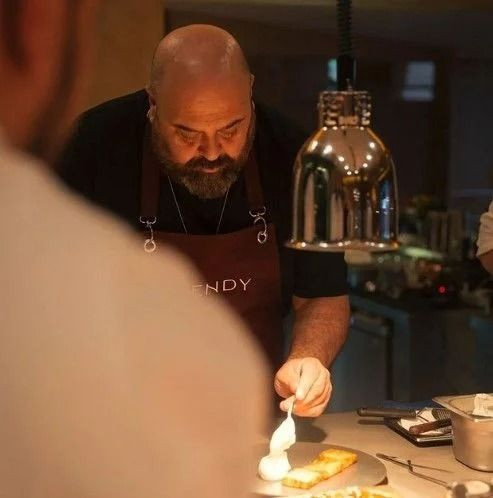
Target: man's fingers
[(320, 391), (310, 383), (309, 374), (287, 403), (313, 411), (304, 408), (282, 388), (287, 379), (318, 388)]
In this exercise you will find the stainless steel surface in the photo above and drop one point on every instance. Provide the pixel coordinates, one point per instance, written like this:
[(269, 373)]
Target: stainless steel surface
[(472, 435), (345, 192), (368, 471)]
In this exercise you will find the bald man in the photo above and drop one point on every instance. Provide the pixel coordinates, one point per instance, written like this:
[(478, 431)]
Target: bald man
[(193, 162), (102, 394)]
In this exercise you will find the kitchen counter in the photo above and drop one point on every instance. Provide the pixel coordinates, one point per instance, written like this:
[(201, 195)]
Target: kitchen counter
[(372, 436)]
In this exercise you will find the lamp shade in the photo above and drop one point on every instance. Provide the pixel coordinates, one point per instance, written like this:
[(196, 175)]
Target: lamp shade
[(345, 191)]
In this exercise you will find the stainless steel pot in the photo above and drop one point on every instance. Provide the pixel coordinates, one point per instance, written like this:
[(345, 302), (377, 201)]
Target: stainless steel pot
[(472, 435)]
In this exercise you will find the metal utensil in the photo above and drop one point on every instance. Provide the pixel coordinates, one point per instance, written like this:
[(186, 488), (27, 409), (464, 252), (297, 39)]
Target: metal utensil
[(387, 412), (285, 435), (410, 466), (440, 413), (461, 489)]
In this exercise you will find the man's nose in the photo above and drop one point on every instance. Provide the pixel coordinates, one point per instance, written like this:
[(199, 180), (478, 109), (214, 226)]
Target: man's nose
[(210, 148)]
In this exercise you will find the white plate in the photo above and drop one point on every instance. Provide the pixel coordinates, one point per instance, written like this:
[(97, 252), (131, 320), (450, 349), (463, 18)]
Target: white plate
[(367, 471)]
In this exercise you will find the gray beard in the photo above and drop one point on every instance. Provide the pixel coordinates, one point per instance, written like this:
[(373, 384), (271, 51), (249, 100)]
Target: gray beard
[(191, 175)]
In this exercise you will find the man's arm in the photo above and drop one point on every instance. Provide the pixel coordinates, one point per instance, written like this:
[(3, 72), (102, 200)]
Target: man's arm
[(320, 329)]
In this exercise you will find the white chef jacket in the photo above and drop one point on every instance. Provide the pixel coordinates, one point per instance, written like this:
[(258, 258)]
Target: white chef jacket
[(485, 238)]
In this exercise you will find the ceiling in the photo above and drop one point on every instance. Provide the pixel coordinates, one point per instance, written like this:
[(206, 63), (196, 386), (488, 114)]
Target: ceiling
[(463, 26)]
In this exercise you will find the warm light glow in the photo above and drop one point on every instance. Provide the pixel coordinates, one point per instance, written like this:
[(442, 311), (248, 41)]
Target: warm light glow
[(327, 149), (313, 146), (372, 145), (346, 167), (341, 159), (442, 289), (369, 157), (365, 165)]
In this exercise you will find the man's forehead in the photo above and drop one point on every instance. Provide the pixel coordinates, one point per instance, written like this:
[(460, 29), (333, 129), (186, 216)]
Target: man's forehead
[(207, 104)]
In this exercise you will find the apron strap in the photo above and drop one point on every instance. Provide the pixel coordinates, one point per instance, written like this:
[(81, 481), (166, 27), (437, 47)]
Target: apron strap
[(255, 195), (150, 179)]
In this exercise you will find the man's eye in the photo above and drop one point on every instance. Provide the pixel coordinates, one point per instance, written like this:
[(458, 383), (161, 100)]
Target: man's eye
[(229, 133), (189, 136)]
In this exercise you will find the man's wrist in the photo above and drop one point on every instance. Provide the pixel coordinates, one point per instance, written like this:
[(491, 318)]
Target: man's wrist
[(305, 356)]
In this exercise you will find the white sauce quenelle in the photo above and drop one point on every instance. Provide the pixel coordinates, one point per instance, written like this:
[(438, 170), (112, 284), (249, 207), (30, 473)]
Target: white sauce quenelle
[(275, 465)]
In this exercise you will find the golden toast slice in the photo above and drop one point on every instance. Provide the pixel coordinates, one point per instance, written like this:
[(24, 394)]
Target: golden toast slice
[(328, 468), (357, 492), (302, 478), (376, 492), (350, 492), (345, 458)]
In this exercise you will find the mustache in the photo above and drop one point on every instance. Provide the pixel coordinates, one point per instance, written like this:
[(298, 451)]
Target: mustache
[(201, 163)]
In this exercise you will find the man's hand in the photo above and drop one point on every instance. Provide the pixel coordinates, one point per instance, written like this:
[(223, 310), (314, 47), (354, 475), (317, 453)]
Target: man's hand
[(306, 382)]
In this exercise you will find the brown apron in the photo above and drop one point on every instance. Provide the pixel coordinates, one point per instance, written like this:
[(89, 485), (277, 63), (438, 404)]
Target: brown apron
[(241, 267)]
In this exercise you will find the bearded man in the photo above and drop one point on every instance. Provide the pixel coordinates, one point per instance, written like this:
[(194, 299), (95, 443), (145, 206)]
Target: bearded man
[(194, 162)]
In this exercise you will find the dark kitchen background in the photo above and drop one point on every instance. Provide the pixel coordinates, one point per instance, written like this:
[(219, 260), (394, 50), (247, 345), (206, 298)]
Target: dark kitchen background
[(422, 322)]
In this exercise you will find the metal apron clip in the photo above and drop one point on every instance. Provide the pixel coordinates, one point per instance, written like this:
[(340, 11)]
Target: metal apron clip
[(149, 243), (258, 217)]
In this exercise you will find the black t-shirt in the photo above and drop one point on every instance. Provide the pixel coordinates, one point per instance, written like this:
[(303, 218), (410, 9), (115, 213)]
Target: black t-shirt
[(102, 161)]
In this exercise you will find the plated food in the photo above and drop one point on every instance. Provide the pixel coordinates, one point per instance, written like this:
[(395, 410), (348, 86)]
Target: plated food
[(355, 492), (328, 463), (366, 471)]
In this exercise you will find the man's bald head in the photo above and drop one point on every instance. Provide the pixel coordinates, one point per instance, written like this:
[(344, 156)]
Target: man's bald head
[(201, 111), (194, 52)]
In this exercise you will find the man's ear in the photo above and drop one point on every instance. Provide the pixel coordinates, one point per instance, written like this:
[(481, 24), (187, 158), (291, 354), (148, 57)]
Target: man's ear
[(252, 81), (151, 113)]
